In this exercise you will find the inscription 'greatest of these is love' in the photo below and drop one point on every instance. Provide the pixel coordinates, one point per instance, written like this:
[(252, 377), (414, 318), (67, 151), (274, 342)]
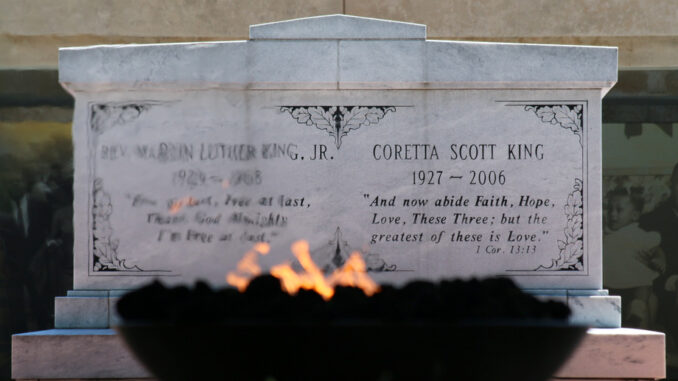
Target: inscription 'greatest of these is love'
[(389, 194)]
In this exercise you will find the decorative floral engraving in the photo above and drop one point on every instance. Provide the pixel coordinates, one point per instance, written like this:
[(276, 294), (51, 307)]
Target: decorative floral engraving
[(333, 256), (568, 116), (337, 121), (571, 256), (104, 246), (104, 116)]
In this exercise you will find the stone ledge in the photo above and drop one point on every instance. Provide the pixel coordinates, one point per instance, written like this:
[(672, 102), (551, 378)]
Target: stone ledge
[(96, 309), (73, 354), (618, 353), (607, 354), (337, 52), (337, 27), (81, 312), (595, 311), (593, 308)]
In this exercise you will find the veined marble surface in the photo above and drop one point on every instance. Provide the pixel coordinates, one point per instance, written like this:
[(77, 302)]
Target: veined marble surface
[(424, 183), (337, 52), (351, 133)]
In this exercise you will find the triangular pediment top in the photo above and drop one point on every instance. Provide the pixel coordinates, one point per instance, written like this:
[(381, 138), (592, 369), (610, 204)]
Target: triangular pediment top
[(337, 27)]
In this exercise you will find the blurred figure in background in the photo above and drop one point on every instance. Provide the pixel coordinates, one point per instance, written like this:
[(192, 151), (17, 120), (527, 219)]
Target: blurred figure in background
[(632, 259), (36, 239), (51, 269), (664, 220)]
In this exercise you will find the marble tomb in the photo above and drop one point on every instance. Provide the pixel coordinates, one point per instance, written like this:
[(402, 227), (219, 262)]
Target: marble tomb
[(435, 159)]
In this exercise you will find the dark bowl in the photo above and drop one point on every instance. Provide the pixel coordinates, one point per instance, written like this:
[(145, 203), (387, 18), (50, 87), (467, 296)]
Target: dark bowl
[(353, 350)]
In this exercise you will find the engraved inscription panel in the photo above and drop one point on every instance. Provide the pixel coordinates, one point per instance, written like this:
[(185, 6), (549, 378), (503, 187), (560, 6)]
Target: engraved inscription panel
[(425, 184)]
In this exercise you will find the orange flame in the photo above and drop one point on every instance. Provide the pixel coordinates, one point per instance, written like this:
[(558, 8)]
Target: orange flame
[(248, 267), (353, 273)]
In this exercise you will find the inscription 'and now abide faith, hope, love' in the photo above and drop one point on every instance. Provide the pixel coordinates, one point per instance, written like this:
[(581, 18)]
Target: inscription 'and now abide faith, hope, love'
[(392, 194)]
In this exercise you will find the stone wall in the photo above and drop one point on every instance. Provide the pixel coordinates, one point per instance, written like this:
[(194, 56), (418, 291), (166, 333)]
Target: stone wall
[(32, 30)]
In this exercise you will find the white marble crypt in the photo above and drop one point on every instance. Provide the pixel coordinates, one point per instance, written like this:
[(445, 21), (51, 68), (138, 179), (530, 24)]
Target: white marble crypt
[(434, 159)]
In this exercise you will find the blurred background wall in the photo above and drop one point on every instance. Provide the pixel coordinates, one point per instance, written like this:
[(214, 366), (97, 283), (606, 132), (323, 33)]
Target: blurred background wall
[(640, 114)]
